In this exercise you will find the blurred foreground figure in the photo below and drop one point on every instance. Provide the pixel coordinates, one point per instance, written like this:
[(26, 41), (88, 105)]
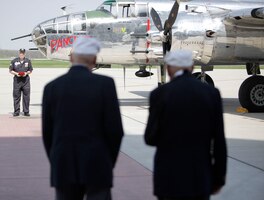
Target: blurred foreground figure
[(186, 125), (81, 126)]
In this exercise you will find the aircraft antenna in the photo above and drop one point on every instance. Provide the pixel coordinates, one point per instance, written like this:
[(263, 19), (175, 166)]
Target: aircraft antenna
[(65, 8)]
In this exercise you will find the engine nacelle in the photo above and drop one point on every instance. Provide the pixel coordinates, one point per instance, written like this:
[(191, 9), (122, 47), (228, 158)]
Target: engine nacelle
[(143, 73), (258, 13), (155, 37)]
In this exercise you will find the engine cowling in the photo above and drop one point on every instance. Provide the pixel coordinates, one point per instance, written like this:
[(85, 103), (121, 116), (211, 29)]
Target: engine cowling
[(143, 73)]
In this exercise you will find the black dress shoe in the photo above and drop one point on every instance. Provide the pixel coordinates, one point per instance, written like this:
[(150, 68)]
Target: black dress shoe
[(15, 114), (27, 114)]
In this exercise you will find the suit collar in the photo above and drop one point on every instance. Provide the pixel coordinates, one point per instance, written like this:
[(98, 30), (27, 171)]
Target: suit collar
[(185, 74), (178, 73), (79, 68)]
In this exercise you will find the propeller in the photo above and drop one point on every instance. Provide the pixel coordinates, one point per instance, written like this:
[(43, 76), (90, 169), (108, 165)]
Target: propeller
[(156, 19), (23, 36), (167, 30)]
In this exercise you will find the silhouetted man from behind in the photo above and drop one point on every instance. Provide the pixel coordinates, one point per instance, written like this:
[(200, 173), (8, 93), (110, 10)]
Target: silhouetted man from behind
[(82, 128), (186, 125)]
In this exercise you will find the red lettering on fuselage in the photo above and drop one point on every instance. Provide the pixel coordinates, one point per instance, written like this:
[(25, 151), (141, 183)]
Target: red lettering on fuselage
[(62, 42)]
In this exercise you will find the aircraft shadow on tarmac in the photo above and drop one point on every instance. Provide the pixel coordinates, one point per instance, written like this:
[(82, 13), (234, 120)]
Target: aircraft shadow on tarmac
[(230, 105), (136, 101)]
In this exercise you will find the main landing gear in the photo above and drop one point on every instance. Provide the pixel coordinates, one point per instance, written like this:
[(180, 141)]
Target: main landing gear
[(251, 92)]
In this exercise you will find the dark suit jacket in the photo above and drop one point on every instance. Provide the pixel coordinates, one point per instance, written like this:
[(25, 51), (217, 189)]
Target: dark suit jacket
[(185, 120), (81, 128)]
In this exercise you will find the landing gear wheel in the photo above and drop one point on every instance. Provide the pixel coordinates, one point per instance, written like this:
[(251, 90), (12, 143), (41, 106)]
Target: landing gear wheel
[(251, 94), (208, 79)]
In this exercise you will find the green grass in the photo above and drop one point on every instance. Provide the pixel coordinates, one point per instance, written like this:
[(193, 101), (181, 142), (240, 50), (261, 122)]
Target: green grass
[(40, 64), (64, 64)]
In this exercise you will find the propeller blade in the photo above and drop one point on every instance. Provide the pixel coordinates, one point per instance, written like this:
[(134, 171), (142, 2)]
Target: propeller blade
[(24, 36), (156, 19), (172, 17)]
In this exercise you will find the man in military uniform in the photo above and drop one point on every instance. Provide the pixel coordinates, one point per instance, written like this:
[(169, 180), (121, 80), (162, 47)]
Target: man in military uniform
[(21, 68)]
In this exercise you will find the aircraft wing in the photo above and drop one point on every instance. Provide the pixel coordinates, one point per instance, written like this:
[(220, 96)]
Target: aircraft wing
[(246, 18)]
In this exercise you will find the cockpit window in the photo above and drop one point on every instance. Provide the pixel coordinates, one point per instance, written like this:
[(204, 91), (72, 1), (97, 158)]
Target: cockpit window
[(124, 9), (79, 23), (49, 26), (64, 25), (107, 6)]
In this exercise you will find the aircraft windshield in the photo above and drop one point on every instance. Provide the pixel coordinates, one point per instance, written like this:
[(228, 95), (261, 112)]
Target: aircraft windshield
[(124, 9), (107, 6)]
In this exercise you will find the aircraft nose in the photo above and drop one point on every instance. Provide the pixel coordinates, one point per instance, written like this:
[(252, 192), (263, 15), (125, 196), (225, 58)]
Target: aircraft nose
[(39, 38), (36, 32)]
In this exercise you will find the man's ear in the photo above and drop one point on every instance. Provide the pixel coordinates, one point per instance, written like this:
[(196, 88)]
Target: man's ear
[(94, 61), (71, 58), (169, 70)]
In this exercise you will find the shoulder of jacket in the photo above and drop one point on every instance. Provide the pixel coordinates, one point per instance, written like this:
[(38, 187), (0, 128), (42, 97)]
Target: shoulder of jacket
[(102, 77), (56, 81), (158, 90), (15, 59)]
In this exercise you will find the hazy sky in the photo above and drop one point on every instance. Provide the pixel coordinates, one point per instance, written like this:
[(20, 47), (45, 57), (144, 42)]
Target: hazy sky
[(19, 17)]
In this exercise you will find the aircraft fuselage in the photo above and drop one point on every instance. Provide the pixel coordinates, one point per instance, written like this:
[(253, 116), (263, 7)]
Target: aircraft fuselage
[(207, 28)]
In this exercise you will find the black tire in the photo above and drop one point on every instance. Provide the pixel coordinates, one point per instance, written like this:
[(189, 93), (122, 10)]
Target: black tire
[(208, 78), (251, 94)]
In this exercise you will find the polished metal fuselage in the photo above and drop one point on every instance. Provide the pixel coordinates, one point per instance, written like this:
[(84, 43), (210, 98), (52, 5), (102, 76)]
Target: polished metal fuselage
[(231, 42), (208, 28)]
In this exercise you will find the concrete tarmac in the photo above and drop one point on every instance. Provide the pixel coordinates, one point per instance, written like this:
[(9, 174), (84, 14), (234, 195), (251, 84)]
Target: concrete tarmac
[(24, 170)]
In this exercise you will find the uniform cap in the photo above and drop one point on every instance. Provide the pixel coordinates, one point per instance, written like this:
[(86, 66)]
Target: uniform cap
[(179, 58), (86, 46), (22, 50)]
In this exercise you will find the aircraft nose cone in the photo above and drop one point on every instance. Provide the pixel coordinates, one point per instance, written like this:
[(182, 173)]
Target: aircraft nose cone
[(39, 39)]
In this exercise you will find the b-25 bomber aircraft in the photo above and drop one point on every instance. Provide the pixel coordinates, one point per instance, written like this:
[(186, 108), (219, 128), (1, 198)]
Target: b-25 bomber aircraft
[(140, 32)]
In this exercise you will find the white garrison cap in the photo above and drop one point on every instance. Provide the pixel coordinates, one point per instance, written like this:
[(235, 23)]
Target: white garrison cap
[(179, 58), (86, 46)]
